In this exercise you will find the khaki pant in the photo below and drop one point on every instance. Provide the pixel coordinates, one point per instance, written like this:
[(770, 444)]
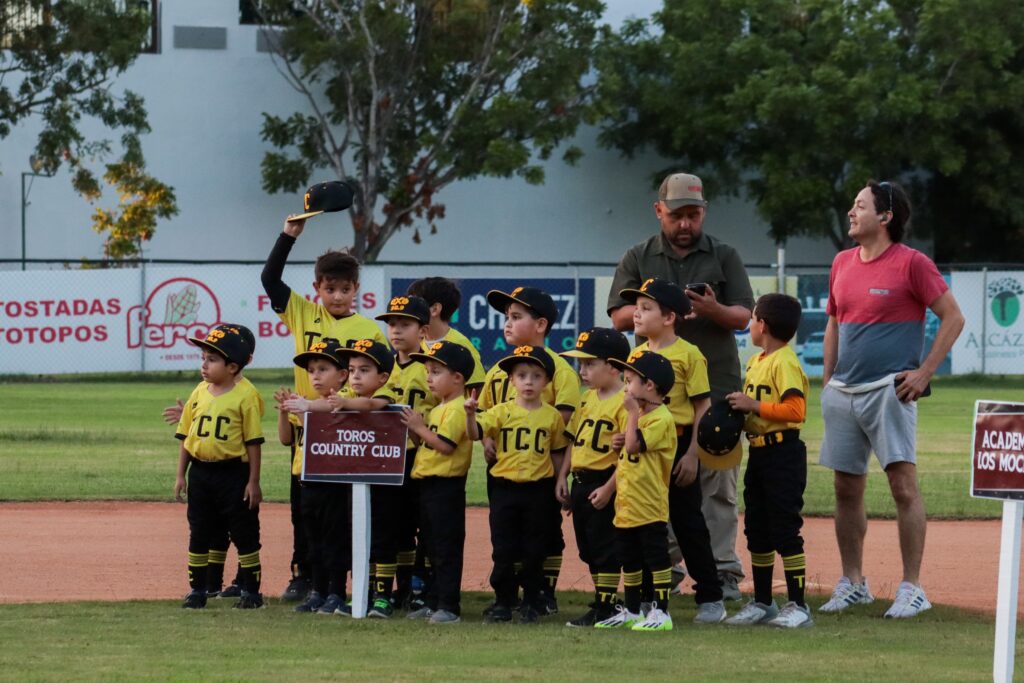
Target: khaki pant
[(719, 508)]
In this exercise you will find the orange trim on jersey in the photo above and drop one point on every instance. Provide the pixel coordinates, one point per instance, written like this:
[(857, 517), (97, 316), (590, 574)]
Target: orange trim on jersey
[(792, 409)]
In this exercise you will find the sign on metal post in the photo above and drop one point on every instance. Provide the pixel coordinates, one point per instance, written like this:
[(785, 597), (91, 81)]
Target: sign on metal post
[(358, 448), (997, 471)]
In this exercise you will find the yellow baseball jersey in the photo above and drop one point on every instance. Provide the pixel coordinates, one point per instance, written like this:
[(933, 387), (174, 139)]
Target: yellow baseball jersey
[(297, 432), (771, 378), (408, 384), (641, 479), (219, 427), (524, 440), (691, 371), (561, 392), (591, 428), (456, 337), (309, 321), (448, 421)]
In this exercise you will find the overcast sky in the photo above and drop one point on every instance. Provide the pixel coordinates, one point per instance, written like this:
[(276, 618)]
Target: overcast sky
[(617, 10)]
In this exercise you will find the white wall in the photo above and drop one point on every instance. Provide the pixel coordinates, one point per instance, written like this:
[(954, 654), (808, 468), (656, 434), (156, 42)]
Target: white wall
[(205, 111)]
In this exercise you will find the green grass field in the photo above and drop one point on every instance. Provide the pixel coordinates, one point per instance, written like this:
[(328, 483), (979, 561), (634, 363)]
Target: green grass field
[(103, 439), (143, 641)]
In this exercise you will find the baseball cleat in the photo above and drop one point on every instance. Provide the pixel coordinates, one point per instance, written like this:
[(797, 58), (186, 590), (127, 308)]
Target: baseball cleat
[(754, 613), (622, 618)]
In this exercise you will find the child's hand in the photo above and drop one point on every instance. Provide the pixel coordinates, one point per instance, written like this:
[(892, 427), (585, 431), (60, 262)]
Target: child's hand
[(562, 492), (618, 441), (740, 401), (600, 497), (280, 396), (412, 419), (293, 228), (296, 404), (179, 489), (630, 404), (490, 451), (172, 414), (337, 402), (471, 403), (685, 470), (253, 494)]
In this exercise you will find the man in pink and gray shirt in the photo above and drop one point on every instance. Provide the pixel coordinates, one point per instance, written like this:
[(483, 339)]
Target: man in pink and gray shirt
[(873, 376)]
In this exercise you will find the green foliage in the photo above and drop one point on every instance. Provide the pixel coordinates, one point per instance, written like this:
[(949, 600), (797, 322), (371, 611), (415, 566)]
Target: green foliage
[(795, 104), (61, 58), (410, 97)]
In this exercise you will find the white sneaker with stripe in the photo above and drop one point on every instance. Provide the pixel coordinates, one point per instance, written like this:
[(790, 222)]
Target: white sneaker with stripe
[(910, 601), (846, 594)]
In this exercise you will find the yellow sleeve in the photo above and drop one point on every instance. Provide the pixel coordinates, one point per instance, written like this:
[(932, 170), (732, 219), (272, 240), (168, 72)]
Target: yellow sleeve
[(252, 415), (789, 379), (559, 439), (296, 312), (488, 422), (656, 432), (488, 393), (185, 422), (697, 385), (573, 426), (452, 428), (389, 392), (567, 386)]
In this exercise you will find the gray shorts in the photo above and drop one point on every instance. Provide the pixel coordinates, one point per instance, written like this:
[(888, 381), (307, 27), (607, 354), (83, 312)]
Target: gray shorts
[(856, 424)]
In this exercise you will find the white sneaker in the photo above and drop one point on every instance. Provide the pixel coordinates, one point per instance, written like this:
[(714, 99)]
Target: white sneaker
[(710, 613), (657, 620), (792, 615), (754, 613), (622, 618), (910, 601), (846, 595), (645, 607)]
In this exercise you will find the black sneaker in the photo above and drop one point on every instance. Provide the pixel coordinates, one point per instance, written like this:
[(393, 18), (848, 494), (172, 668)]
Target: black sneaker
[(498, 614), (547, 604), (298, 588), (528, 615), (232, 591), (585, 621), (312, 603), (250, 601), (213, 591), (194, 600), (333, 602)]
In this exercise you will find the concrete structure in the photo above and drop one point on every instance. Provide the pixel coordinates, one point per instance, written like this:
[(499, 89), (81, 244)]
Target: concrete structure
[(205, 91)]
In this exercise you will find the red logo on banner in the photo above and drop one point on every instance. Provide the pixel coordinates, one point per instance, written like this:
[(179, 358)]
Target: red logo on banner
[(354, 447), (176, 309)]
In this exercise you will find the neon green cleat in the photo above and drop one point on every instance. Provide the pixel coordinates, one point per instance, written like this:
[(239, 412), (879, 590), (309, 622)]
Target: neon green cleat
[(657, 620), (622, 618)]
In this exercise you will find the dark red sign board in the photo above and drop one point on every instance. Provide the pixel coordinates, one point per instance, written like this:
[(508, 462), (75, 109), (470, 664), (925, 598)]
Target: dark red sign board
[(354, 448), (997, 470)]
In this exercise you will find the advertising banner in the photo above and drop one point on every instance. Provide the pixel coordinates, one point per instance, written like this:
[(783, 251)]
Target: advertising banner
[(992, 341)]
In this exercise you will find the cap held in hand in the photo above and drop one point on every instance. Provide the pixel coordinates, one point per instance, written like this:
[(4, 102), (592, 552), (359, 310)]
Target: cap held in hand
[(334, 195), (718, 436)]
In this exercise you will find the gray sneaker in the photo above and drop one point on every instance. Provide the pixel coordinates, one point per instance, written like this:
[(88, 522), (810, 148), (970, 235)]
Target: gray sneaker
[(443, 616), (754, 613), (793, 616), (420, 614), (710, 613), (730, 586)]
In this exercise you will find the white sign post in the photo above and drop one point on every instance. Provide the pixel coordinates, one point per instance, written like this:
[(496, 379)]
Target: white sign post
[(361, 524), (997, 471)]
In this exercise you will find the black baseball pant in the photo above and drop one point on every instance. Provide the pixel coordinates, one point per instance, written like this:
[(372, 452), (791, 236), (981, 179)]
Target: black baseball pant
[(520, 520), (326, 515), (300, 545), (773, 495), (443, 517), (595, 532), (684, 509)]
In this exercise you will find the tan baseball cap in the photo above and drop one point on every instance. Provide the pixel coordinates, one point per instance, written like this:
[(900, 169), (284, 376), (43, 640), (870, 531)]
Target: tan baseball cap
[(682, 189)]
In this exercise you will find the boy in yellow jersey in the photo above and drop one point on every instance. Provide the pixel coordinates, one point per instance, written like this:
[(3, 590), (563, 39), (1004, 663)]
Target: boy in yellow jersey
[(407, 317), (641, 498), (441, 465), (325, 506), (659, 305), (220, 437), (529, 436), (596, 435), (370, 364), (336, 281), (775, 398), (443, 297), (529, 315)]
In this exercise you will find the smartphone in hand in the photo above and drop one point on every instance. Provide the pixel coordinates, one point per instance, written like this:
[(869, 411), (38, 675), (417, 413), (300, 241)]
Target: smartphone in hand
[(698, 288)]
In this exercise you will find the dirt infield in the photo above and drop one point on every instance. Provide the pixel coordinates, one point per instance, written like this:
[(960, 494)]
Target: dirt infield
[(58, 552)]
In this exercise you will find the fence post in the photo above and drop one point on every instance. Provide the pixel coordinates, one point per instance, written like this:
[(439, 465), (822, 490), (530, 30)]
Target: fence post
[(576, 286), (781, 268), (984, 317), (142, 311)]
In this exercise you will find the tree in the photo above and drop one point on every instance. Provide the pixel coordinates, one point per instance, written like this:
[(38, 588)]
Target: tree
[(794, 104), (408, 97), (62, 58)]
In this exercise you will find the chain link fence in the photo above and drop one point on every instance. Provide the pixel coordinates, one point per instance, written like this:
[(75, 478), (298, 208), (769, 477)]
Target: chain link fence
[(138, 317)]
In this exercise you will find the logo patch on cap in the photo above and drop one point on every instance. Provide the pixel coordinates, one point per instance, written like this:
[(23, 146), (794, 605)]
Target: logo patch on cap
[(516, 291), (523, 351), (398, 303), (643, 287), (319, 346), (633, 357), (362, 345), (584, 336)]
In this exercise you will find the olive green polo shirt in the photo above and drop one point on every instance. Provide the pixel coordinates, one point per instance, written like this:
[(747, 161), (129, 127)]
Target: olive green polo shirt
[(711, 261)]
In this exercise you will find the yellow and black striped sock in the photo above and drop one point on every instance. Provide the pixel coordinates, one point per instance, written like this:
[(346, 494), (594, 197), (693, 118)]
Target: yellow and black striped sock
[(661, 580), (606, 584), (215, 570), (403, 576), (198, 564), (252, 571), (795, 567), (384, 579), (763, 565), (552, 568), (631, 582)]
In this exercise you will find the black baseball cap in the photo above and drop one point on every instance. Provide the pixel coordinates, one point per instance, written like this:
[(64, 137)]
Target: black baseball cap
[(379, 353), (229, 340), (535, 299), (327, 347), (600, 342), (649, 365), (407, 306), (455, 357), (718, 436), (334, 195), (668, 294), (537, 355)]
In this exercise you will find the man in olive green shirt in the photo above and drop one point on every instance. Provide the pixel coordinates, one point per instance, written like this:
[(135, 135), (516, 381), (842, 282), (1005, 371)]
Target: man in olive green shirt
[(681, 252)]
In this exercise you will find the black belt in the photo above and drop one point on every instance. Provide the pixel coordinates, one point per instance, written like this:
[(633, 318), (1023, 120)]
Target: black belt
[(237, 460), (772, 438), (592, 476)]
